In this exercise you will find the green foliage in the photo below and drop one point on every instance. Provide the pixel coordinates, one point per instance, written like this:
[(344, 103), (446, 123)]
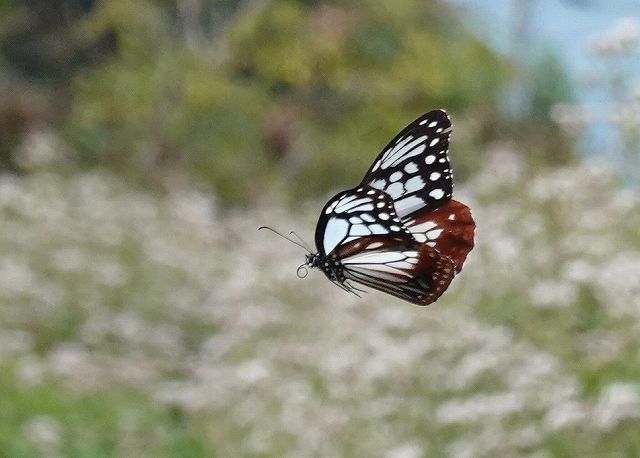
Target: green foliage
[(299, 94), (93, 424), (292, 96), (548, 85)]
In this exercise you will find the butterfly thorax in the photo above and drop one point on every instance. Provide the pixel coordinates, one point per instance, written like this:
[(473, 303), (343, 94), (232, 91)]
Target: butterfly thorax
[(327, 264)]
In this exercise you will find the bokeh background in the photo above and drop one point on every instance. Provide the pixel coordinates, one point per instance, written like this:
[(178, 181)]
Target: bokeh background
[(143, 142)]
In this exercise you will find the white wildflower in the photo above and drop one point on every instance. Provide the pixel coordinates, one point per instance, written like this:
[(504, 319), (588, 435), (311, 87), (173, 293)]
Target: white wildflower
[(407, 450), (622, 38), (45, 434), (553, 293), (40, 148), (479, 408), (616, 403), (569, 414)]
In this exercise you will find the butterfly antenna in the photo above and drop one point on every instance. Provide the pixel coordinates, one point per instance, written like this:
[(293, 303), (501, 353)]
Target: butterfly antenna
[(286, 238), (302, 271), (306, 245)]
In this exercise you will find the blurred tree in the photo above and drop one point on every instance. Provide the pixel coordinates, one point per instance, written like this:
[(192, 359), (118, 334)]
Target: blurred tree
[(39, 55), (519, 96), (354, 74), (292, 95)]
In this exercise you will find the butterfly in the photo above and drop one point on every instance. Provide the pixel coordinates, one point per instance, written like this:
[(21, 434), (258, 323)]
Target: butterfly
[(399, 231)]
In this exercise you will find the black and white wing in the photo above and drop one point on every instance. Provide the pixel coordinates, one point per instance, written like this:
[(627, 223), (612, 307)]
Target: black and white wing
[(355, 215), (413, 169), (361, 230)]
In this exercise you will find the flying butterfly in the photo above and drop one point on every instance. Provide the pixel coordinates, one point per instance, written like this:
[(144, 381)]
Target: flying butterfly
[(399, 231)]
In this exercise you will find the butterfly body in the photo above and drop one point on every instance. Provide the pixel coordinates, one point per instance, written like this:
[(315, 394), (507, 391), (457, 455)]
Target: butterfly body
[(399, 231)]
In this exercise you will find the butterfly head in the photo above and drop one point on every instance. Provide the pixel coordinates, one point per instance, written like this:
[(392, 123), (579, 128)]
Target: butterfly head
[(312, 260)]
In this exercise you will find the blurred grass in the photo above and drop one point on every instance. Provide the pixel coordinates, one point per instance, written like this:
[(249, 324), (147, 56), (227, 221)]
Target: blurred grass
[(102, 424)]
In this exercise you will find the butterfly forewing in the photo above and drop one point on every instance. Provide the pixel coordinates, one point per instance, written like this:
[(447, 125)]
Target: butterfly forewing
[(356, 214), (413, 169)]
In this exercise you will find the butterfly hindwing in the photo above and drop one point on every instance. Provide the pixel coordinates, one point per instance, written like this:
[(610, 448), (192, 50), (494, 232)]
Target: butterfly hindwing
[(416, 273), (414, 169), (375, 249), (449, 230)]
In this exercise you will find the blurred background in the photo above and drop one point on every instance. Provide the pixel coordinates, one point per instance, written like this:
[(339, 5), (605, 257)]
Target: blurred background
[(143, 142)]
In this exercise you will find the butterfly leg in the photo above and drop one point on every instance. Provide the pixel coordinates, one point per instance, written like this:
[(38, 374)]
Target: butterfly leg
[(350, 285), (347, 288)]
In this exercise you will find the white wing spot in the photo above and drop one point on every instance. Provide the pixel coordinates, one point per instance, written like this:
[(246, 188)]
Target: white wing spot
[(334, 232), (378, 229), (423, 227), (395, 190), (414, 184), (359, 229), (433, 123), (395, 228), (437, 193), (380, 204), (395, 176), (384, 216), (375, 258), (408, 205), (434, 142), (430, 159), (420, 238), (434, 176), (434, 234), (411, 167), (371, 192), (424, 121), (378, 184)]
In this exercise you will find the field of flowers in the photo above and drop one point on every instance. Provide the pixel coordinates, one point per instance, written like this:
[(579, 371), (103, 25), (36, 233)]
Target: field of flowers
[(135, 324)]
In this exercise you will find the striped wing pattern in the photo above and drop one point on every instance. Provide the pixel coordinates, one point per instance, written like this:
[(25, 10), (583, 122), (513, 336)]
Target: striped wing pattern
[(414, 167)]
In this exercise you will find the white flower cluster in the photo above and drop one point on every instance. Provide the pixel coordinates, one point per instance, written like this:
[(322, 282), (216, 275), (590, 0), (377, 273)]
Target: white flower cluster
[(103, 288), (622, 38)]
